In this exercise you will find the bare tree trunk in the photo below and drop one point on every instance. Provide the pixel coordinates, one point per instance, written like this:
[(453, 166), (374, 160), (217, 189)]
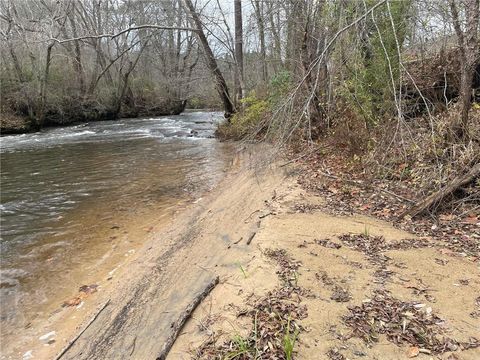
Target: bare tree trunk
[(16, 63), (275, 32), (258, 6), (100, 62), (11, 49), (220, 82), (297, 11), (124, 83), (43, 87), (315, 111), (469, 48), (77, 64), (239, 79)]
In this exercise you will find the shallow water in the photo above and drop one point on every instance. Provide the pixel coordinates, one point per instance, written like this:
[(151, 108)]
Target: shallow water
[(76, 200)]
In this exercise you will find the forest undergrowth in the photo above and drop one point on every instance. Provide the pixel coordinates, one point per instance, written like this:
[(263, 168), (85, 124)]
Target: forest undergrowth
[(385, 170), (390, 174)]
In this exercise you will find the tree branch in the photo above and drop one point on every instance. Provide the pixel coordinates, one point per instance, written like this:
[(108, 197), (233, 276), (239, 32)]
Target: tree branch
[(132, 28)]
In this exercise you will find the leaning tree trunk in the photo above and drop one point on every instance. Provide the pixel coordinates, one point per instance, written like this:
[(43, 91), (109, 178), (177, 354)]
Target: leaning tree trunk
[(220, 82)]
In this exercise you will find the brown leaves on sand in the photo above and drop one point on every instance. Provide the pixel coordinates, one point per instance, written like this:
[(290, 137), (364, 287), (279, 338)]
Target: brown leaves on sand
[(352, 190), (375, 246), (465, 246), (372, 245), (288, 267), (305, 208), (369, 245), (328, 243), (274, 320), (401, 322), (334, 354), (476, 313), (339, 294)]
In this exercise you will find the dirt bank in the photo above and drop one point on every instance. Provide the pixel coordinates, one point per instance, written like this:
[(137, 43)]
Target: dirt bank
[(82, 111), (334, 273)]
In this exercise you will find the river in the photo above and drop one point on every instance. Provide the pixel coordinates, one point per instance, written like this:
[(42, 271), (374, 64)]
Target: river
[(77, 201)]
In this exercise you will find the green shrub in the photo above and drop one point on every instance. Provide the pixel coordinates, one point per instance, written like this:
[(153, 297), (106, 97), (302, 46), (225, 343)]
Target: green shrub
[(246, 120), (279, 86), (255, 108)]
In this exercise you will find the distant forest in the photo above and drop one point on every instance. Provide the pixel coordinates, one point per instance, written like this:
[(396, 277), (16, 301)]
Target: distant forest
[(282, 66)]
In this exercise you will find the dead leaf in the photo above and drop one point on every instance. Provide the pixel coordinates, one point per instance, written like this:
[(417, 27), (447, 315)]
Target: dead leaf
[(72, 302), (88, 289), (472, 219), (447, 217), (413, 351)]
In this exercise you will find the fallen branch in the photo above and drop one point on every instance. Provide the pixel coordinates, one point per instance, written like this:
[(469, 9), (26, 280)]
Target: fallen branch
[(177, 325), (439, 195), (70, 344)]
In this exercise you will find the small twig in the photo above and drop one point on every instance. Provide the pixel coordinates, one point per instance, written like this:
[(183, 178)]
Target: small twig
[(70, 344), (265, 215), (236, 242), (204, 268), (307, 154), (249, 216), (396, 195), (250, 238), (362, 184), (133, 345)]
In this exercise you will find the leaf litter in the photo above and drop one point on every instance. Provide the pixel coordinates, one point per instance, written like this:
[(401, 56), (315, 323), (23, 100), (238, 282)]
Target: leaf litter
[(375, 246), (402, 323), (354, 191), (274, 319)]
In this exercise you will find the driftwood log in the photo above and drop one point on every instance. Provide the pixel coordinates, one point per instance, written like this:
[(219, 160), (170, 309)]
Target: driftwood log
[(177, 326), (438, 196)]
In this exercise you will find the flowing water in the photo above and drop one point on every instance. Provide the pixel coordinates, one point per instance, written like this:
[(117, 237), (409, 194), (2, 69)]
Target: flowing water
[(76, 201)]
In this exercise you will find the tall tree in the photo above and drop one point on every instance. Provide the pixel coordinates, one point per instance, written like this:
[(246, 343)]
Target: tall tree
[(220, 82), (239, 74), (259, 16)]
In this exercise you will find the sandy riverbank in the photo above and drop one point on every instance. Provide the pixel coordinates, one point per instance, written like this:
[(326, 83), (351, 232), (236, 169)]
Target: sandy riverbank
[(210, 239)]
